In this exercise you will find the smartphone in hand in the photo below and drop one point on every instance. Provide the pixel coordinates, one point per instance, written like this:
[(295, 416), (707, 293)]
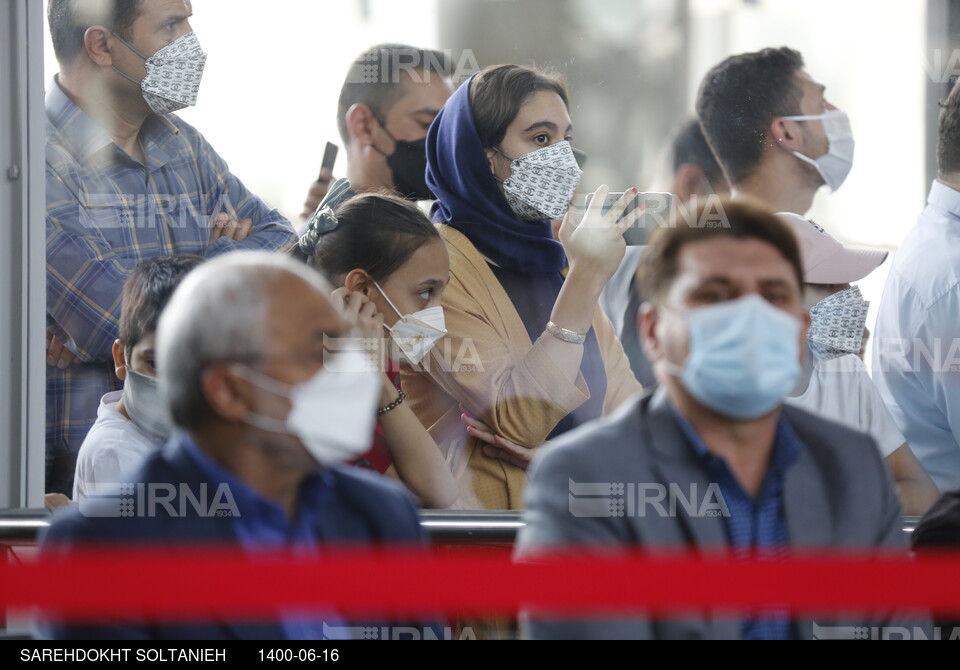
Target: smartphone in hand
[(329, 160), (656, 212)]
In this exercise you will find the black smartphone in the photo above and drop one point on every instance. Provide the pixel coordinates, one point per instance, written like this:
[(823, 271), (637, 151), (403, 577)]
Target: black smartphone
[(656, 212), (329, 160)]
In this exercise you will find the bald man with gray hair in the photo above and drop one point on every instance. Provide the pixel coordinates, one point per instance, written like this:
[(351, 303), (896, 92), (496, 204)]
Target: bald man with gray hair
[(265, 413)]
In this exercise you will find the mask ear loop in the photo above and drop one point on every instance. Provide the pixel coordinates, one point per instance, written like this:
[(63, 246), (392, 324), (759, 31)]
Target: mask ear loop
[(118, 70), (262, 381), (383, 125), (670, 367), (418, 366), (805, 117), (128, 45), (389, 302), (512, 161)]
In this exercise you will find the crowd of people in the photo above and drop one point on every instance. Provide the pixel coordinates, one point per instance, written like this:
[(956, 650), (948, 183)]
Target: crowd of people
[(497, 352)]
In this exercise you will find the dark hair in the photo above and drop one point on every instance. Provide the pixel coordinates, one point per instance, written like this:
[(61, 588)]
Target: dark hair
[(373, 79), (377, 233), (147, 291), (948, 136), (740, 98), (690, 147), (497, 93), (69, 20), (742, 220)]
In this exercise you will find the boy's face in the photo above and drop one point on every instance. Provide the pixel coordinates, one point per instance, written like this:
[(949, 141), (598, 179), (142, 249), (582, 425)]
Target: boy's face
[(142, 357)]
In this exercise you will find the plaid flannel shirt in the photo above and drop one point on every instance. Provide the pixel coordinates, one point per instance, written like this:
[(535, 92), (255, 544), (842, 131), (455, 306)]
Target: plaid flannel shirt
[(106, 214)]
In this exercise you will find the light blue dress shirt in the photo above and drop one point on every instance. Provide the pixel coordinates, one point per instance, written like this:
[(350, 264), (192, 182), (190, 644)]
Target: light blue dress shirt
[(917, 341)]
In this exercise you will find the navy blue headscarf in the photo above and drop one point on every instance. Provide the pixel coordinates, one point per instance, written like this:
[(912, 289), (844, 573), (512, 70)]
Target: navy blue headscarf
[(469, 197)]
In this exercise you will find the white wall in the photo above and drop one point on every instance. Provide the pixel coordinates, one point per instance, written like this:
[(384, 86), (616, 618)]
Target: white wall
[(274, 70)]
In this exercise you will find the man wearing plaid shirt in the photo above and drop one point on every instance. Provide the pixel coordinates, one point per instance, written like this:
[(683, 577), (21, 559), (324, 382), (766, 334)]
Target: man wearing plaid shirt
[(126, 182)]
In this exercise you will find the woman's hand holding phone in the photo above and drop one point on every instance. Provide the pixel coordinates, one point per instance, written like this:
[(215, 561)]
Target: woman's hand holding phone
[(594, 245)]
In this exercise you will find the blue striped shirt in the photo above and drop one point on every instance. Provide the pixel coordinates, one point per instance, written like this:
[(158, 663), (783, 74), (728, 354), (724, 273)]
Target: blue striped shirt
[(262, 525), (106, 214), (755, 526)]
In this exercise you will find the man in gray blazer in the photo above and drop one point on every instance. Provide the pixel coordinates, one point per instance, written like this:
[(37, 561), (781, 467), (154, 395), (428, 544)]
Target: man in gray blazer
[(725, 329)]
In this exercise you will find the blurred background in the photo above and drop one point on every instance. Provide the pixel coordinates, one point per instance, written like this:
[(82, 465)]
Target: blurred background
[(269, 94)]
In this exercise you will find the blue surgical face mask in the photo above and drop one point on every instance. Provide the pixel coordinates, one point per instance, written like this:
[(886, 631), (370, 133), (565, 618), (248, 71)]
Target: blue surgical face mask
[(744, 357)]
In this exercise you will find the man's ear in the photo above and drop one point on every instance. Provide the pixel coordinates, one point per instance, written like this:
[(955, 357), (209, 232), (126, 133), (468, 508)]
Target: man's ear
[(360, 122), (96, 43), (787, 134), (358, 281), (688, 182), (227, 396), (647, 320), (119, 360)]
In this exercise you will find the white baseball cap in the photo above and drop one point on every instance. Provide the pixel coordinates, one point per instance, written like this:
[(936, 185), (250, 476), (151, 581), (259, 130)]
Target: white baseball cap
[(825, 259)]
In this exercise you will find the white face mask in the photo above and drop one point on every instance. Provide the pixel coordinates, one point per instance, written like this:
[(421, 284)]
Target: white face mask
[(542, 182), (145, 406), (333, 413), (173, 74), (835, 165), (416, 334), (837, 323)]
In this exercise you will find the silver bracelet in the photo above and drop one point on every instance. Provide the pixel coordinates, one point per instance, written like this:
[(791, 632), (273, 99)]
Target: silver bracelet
[(571, 336)]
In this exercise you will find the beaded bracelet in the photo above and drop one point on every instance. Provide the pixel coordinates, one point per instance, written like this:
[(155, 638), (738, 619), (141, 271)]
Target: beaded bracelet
[(395, 404)]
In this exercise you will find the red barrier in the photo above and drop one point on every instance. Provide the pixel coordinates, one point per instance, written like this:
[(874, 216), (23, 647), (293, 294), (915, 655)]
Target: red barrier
[(195, 584)]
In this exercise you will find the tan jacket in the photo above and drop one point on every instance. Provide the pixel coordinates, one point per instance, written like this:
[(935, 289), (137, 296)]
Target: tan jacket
[(488, 365)]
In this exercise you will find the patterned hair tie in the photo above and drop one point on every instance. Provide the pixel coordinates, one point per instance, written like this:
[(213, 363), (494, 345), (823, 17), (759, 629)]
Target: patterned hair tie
[(324, 220)]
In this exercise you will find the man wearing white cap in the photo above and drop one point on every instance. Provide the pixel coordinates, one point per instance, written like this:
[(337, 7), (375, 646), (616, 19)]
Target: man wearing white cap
[(835, 383), (917, 355)]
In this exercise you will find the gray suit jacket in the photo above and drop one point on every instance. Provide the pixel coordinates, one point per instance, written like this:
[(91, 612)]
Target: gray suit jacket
[(837, 495)]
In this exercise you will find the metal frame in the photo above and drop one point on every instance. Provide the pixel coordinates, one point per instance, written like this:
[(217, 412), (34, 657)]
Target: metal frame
[(22, 255), (943, 35), (444, 527), (448, 530)]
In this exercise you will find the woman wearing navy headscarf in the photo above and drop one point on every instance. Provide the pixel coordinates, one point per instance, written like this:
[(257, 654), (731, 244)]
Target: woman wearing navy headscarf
[(527, 352)]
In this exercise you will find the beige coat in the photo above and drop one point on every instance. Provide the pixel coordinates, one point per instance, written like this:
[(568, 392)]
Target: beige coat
[(488, 365)]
